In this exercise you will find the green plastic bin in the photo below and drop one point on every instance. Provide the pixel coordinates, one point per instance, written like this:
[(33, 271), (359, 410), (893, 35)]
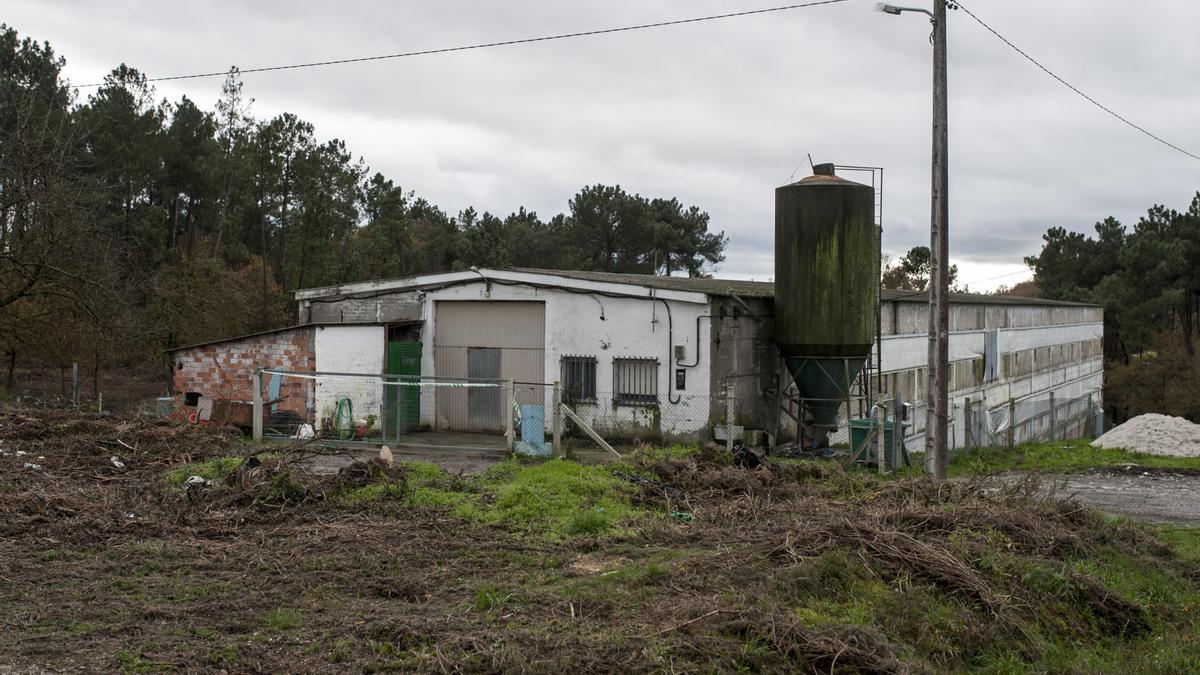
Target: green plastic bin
[(861, 428)]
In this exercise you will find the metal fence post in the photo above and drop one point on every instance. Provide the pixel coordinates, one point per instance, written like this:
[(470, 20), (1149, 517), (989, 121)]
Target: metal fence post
[(1053, 419), (730, 413), (968, 427), (256, 388), (75, 384), (557, 419), (1089, 424), (880, 438), (1012, 421), (509, 436)]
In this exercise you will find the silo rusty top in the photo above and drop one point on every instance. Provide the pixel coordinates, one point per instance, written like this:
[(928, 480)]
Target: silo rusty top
[(818, 179)]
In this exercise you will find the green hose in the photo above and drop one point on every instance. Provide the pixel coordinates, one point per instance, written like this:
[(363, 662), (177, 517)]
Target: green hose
[(343, 419)]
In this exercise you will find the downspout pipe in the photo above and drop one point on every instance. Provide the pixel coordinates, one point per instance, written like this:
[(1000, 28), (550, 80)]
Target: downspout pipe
[(671, 351)]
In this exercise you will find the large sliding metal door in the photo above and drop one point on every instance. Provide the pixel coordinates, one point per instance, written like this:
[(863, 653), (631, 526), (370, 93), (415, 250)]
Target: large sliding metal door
[(489, 340)]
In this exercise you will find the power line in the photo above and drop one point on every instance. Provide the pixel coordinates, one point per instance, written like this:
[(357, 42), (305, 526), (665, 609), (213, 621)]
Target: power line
[(912, 294), (1072, 87), (485, 45), (998, 276)]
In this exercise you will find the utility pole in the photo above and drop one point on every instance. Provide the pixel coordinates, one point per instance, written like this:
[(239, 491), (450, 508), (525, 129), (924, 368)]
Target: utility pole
[(939, 282), (938, 358)]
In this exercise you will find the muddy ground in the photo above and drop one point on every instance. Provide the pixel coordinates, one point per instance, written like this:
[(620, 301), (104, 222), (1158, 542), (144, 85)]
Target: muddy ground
[(108, 568)]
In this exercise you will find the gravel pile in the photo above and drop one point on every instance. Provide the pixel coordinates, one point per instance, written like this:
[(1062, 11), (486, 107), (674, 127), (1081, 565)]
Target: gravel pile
[(1154, 434)]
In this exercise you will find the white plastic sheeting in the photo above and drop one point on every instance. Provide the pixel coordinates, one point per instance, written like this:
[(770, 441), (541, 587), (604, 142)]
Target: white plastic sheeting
[(905, 352), (1018, 339)]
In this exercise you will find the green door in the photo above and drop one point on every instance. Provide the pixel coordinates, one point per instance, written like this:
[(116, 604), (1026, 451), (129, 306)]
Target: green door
[(403, 402)]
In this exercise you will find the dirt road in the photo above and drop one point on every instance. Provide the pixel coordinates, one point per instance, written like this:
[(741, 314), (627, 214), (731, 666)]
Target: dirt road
[(1145, 493), (1158, 495)]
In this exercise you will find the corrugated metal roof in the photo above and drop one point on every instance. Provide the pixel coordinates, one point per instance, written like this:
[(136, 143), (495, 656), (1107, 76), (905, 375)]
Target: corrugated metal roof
[(237, 337), (766, 289), (745, 289)]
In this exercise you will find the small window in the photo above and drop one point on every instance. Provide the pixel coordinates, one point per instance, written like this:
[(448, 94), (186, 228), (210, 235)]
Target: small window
[(578, 379), (635, 381)]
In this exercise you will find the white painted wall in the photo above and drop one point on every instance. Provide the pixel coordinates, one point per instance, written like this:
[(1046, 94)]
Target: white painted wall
[(635, 327), (349, 349)]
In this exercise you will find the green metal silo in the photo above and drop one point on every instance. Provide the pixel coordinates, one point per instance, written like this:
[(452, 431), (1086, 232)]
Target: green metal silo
[(825, 285)]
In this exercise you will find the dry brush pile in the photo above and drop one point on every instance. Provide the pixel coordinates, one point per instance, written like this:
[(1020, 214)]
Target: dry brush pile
[(789, 566), (843, 571)]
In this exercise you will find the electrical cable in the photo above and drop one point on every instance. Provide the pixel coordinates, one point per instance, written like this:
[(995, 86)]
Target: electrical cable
[(1072, 87), (998, 276), (485, 45)]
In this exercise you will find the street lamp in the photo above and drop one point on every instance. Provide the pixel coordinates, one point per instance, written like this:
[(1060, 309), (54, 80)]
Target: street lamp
[(936, 399), (893, 9)]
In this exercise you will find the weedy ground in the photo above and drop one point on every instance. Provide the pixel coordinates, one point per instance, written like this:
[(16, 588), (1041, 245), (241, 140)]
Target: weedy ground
[(1066, 456), (672, 560)]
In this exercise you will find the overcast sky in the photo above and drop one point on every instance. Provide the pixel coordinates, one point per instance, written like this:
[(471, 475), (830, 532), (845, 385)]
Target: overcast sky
[(717, 114)]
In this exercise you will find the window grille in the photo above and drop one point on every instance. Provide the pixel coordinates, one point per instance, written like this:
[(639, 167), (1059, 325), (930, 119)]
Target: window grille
[(635, 381), (578, 379)]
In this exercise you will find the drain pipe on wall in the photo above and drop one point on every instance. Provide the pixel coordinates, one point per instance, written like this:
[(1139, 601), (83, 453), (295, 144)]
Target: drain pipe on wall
[(697, 361), (670, 350)]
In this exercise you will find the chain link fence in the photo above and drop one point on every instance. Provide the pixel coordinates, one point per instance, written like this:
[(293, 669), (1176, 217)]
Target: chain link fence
[(544, 419), (1032, 419), (531, 418)]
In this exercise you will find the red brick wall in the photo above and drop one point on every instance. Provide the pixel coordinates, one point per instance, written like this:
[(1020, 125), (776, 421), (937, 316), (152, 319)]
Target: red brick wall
[(224, 370)]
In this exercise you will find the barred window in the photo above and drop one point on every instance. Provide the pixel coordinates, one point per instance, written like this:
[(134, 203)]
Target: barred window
[(578, 378), (635, 381)]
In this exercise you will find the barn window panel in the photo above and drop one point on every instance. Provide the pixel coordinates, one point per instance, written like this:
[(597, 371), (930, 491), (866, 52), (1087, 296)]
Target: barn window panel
[(578, 378), (635, 381)]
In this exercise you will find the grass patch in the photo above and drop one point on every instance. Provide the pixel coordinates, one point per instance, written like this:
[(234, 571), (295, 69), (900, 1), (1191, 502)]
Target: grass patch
[(590, 522), (136, 663), (557, 497), (374, 492), (213, 469), (1185, 539), (553, 498), (424, 485), (489, 599), (1053, 457), (282, 619)]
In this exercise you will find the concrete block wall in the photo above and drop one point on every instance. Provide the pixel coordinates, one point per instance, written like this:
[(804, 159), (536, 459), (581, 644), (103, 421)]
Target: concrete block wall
[(224, 370), (387, 308), (904, 318), (744, 355)]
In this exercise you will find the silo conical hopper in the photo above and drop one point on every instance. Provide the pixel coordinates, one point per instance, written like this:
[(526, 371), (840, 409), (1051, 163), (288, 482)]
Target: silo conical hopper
[(825, 285)]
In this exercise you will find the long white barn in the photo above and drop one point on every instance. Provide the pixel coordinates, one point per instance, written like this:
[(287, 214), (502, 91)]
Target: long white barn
[(646, 355)]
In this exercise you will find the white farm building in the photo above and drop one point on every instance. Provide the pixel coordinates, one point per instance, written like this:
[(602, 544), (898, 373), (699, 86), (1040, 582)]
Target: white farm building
[(635, 355)]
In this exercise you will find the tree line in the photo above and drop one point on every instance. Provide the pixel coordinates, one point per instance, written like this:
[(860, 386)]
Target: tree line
[(1148, 280), (129, 223)]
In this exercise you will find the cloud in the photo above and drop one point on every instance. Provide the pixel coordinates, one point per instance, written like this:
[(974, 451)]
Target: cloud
[(717, 114)]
